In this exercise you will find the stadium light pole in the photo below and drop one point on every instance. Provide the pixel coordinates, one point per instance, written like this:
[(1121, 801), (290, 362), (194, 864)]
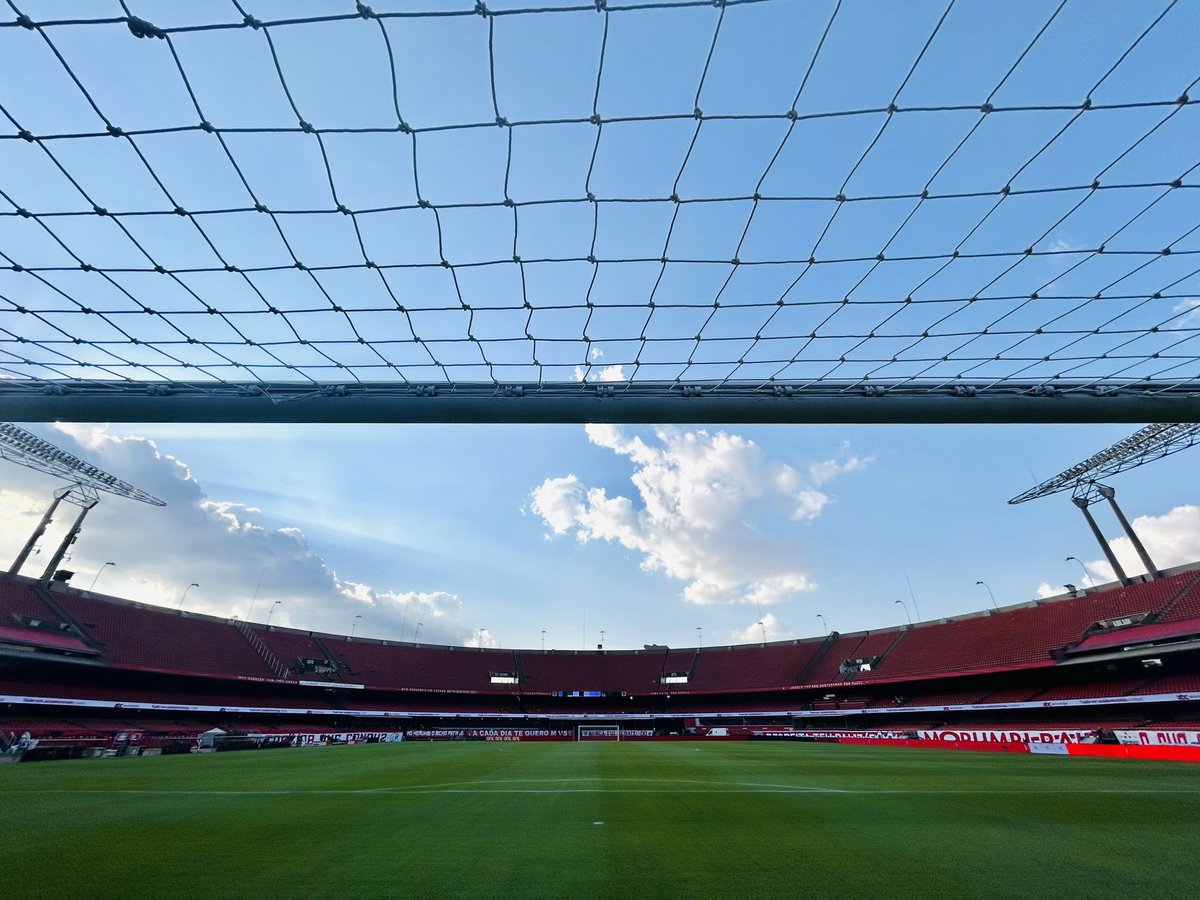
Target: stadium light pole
[(699, 636), (823, 624), (417, 633), (271, 612), (990, 594), (907, 614), (543, 640), (98, 574), (354, 625), (185, 593), (764, 630), (1086, 573), (601, 637)]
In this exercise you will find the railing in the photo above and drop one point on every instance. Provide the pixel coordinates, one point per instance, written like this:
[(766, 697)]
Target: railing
[(263, 650)]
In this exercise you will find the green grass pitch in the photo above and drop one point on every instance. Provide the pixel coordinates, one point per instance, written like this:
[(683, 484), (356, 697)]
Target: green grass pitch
[(622, 820)]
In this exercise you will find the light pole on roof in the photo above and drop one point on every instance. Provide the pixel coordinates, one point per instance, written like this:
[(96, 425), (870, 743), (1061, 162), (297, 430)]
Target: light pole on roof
[(272, 611), (823, 624), (990, 594), (185, 593), (1086, 573), (907, 614), (98, 574), (354, 624)]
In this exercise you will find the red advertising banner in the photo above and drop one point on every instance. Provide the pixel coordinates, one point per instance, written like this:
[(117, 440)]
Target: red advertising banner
[(1120, 751)]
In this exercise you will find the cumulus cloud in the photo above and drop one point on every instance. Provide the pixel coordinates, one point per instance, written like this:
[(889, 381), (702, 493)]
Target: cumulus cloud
[(753, 633), (228, 548), (594, 372), (601, 373), (1046, 589), (1171, 540), (709, 511), (482, 638)]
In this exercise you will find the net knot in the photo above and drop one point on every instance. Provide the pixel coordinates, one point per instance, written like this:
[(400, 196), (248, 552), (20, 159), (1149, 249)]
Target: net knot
[(140, 28)]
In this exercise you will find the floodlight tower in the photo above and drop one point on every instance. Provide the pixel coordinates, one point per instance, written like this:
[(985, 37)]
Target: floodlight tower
[(1082, 479), (1091, 492), (86, 482)]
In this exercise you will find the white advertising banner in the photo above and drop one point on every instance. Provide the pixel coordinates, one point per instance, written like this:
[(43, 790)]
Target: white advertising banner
[(1180, 737), (863, 733)]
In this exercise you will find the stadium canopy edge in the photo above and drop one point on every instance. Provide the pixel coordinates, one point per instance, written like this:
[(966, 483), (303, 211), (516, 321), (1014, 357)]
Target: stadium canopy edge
[(626, 403)]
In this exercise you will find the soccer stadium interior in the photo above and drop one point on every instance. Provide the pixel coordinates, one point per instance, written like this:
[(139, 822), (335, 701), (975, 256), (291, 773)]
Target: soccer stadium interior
[(765, 213)]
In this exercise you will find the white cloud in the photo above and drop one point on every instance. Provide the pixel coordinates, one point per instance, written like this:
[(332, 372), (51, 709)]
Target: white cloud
[(1063, 245), (1190, 310), (223, 545), (605, 373), (753, 633), (1045, 589), (710, 511), (613, 373), (1171, 540), (481, 638)]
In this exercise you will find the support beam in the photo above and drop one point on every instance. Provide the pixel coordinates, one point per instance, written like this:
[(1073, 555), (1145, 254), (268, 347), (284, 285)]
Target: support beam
[(1082, 503), (67, 541), (1110, 495), (59, 496)]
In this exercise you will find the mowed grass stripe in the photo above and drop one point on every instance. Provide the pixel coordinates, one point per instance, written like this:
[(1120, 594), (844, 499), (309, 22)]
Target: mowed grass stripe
[(678, 819)]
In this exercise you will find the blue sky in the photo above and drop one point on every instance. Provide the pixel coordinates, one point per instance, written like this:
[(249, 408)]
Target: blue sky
[(649, 533)]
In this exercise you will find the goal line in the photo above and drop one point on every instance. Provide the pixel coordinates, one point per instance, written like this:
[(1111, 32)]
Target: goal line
[(598, 733)]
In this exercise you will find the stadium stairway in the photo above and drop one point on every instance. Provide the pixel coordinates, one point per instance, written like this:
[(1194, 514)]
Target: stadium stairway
[(63, 616), (262, 649), (892, 646), (341, 667), (822, 652), (1187, 602)]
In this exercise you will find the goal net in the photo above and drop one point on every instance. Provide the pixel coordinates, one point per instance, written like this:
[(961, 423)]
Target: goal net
[(598, 733)]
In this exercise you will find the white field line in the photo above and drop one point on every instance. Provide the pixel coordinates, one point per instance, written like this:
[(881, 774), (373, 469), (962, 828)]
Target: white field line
[(544, 786)]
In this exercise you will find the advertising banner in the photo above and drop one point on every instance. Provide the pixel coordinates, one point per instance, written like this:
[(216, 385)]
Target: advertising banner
[(1048, 735), (1159, 737)]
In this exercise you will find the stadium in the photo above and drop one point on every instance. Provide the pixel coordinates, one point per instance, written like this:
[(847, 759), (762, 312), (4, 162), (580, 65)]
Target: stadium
[(823, 282)]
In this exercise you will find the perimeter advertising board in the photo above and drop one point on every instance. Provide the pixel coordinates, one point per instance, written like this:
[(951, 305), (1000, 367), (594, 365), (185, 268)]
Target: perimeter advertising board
[(1159, 737)]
